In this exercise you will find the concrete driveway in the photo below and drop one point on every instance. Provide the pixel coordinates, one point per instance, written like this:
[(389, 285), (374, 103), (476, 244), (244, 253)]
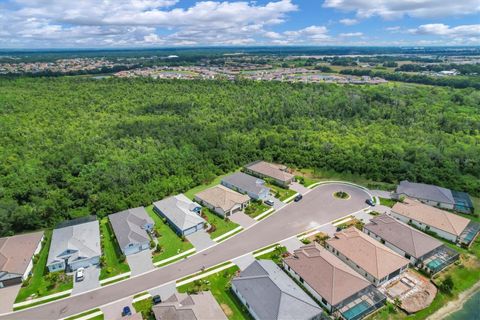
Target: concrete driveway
[(242, 219), (140, 262), (297, 187), (316, 209), (244, 261), (7, 297), (382, 194), (114, 311), (200, 240), (277, 204), (164, 291), (292, 244), (89, 282)]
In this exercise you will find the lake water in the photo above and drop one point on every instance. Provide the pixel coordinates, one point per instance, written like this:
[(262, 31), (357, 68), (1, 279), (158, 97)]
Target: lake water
[(470, 310)]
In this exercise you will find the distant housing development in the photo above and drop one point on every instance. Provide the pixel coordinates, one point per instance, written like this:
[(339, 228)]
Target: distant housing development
[(268, 293), (75, 244), (222, 200), (16, 254), (436, 196), (253, 187), (182, 214), (445, 224), (341, 290), (181, 306), (368, 257), (131, 229), (422, 250), (278, 173)]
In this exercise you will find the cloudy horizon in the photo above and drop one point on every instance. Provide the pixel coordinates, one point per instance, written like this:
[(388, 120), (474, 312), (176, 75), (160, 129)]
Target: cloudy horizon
[(181, 23)]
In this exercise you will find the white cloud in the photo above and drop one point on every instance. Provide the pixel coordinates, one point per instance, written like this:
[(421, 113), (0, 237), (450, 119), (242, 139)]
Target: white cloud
[(348, 22), (440, 29), (351, 34), (393, 29), (40, 23), (390, 9)]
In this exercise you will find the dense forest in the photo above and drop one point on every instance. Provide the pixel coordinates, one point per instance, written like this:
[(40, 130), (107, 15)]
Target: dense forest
[(72, 146)]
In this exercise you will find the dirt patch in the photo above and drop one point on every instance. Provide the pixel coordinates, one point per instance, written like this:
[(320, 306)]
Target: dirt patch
[(226, 309), (414, 291)]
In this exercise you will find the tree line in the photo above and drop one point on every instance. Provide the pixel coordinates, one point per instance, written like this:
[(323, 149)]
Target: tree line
[(73, 146)]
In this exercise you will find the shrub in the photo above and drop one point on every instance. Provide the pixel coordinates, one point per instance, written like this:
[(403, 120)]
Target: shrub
[(152, 244), (447, 285)]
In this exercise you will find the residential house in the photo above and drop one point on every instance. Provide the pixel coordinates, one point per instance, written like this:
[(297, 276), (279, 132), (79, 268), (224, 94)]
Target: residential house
[(253, 187), (16, 257), (75, 244), (444, 224), (277, 173), (181, 306), (131, 228), (222, 200), (366, 256), (338, 287), (268, 293), (414, 245), (182, 214), (435, 196)]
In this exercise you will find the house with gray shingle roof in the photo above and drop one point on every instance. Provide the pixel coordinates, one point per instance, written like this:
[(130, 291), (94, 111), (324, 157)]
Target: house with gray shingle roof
[(269, 293), (436, 196), (16, 255), (241, 182), (182, 214), (411, 243), (131, 229), (75, 244)]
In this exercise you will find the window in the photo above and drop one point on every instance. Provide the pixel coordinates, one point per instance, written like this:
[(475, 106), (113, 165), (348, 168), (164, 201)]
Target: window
[(301, 279), (407, 256), (324, 301)]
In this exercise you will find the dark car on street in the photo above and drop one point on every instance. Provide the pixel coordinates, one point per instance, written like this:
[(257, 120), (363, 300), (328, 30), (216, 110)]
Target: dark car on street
[(298, 198), (370, 202), (126, 311)]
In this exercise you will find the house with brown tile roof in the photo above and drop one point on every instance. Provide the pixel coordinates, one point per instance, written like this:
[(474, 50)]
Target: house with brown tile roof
[(332, 282), (222, 200), (16, 254), (181, 306), (368, 257), (445, 224), (263, 169), (409, 242)]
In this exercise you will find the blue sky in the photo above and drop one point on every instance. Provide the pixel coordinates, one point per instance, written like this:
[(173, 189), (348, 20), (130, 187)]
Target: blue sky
[(166, 23)]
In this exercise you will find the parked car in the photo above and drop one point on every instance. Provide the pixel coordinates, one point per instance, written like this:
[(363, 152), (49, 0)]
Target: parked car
[(156, 299), (370, 202), (269, 203), (80, 274), (298, 198), (126, 311)]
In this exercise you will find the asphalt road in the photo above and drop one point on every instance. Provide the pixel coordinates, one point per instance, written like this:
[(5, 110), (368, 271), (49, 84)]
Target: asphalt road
[(317, 207)]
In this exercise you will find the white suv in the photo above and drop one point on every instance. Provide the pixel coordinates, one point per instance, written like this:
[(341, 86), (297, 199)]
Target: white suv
[(80, 274)]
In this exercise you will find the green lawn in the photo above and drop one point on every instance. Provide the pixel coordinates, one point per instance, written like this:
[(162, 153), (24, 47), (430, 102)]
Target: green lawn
[(219, 285), (171, 243), (256, 208), (387, 202), (39, 284), (145, 307), (191, 193), (112, 256), (280, 193), (222, 226), (275, 255)]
